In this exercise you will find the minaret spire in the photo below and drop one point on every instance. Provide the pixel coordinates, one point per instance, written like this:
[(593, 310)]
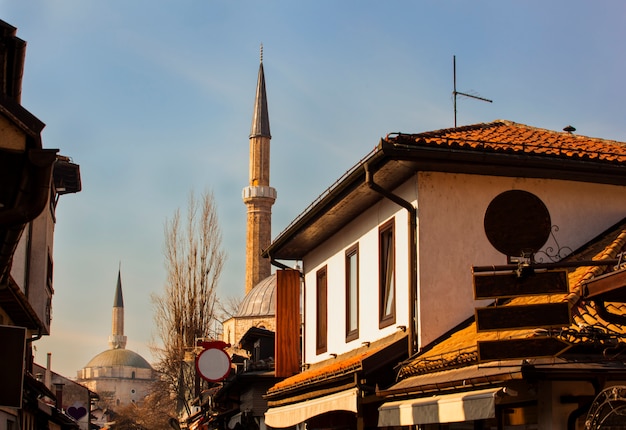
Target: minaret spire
[(260, 116), (117, 340), (259, 196)]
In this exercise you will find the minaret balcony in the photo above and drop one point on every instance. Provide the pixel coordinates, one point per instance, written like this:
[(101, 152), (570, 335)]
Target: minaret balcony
[(258, 192)]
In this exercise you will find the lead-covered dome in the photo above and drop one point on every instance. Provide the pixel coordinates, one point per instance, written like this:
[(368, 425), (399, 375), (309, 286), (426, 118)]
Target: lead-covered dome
[(118, 357), (261, 300)]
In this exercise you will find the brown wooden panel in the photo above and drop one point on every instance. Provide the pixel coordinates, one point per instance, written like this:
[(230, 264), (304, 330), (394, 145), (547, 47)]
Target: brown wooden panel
[(287, 323), (521, 348), (524, 316), (610, 287), (491, 286), (12, 365)]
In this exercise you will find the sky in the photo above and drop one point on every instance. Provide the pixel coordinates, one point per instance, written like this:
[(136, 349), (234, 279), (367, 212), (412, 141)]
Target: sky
[(153, 99)]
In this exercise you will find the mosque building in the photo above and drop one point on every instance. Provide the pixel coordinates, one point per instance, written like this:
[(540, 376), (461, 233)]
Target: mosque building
[(119, 376)]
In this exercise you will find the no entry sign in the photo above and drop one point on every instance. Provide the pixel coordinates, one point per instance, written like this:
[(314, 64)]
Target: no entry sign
[(213, 363)]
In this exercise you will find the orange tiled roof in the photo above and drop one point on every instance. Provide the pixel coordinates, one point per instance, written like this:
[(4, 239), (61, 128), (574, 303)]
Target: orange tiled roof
[(321, 373), (511, 137), (459, 349), (324, 372)]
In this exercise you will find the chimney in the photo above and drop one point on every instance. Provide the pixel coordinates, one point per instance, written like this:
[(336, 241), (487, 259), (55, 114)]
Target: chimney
[(48, 375), (59, 395)]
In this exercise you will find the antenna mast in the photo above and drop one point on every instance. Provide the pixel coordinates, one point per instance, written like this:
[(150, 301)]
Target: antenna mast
[(455, 92)]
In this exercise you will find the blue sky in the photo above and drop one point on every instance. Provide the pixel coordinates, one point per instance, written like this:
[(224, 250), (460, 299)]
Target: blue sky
[(153, 99)]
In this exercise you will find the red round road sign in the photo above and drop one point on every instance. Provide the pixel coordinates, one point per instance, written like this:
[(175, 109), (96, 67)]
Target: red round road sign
[(213, 364)]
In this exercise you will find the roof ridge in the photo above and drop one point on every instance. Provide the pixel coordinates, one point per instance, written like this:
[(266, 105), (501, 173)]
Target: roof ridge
[(547, 130), (508, 123), (459, 128)]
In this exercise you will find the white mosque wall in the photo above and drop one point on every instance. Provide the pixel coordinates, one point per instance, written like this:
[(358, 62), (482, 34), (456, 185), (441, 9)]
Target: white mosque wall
[(116, 392), (115, 372)]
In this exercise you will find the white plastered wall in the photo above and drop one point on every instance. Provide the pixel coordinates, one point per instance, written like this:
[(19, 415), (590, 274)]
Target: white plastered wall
[(364, 230), (451, 239), (451, 236)]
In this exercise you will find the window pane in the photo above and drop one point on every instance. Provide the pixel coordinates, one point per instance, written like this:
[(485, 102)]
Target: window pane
[(321, 312), (387, 274), (352, 293)]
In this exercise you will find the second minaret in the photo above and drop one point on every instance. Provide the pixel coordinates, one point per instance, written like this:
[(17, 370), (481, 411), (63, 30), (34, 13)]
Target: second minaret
[(117, 340)]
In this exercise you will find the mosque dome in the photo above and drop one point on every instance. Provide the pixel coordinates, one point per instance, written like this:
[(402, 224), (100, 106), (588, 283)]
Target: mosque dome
[(261, 300), (118, 357)]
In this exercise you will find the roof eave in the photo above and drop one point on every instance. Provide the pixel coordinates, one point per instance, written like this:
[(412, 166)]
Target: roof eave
[(17, 306), (295, 241), (352, 179), (505, 163)]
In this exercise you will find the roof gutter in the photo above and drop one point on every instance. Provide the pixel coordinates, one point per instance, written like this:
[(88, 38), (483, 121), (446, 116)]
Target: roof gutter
[(412, 221), (501, 163)]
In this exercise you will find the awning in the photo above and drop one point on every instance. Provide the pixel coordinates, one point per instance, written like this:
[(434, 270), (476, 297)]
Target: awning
[(290, 415), (468, 377), (448, 408)]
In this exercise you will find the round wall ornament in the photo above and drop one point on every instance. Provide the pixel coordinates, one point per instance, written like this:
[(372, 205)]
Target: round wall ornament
[(517, 223)]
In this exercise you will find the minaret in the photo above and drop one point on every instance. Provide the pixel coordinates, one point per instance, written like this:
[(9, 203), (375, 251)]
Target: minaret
[(117, 340), (259, 196)]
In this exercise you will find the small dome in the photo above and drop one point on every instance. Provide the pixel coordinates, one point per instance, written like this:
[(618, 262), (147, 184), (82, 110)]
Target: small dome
[(118, 357), (261, 300)]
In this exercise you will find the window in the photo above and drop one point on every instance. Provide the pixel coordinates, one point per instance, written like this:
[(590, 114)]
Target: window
[(49, 273), (48, 310), (321, 338), (387, 276), (352, 293)]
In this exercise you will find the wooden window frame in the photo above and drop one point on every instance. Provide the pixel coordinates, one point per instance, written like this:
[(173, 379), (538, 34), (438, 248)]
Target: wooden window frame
[(386, 280), (321, 311), (352, 293)]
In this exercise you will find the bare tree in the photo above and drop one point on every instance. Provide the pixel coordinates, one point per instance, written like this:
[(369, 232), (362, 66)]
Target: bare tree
[(229, 307), (154, 412), (188, 308)]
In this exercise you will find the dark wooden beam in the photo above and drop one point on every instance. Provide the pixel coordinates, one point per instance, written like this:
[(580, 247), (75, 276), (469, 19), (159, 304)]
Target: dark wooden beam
[(609, 288), (525, 316), (521, 348), (491, 286)]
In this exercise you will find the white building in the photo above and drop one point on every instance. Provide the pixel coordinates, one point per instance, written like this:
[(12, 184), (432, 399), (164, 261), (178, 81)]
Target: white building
[(387, 252)]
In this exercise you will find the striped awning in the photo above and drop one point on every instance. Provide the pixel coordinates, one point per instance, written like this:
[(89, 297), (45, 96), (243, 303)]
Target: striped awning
[(296, 413), (448, 408)]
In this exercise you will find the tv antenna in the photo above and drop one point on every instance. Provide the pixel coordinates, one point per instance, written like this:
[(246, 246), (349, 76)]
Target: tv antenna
[(455, 92)]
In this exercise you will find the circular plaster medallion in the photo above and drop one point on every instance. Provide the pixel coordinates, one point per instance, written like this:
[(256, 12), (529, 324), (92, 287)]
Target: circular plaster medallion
[(517, 223)]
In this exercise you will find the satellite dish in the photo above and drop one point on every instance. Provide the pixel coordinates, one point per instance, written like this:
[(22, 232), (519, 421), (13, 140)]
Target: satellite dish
[(517, 223)]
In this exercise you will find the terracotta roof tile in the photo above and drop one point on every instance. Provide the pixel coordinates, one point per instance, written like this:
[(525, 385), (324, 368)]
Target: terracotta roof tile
[(508, 136), (459, 348), (323, 372)]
